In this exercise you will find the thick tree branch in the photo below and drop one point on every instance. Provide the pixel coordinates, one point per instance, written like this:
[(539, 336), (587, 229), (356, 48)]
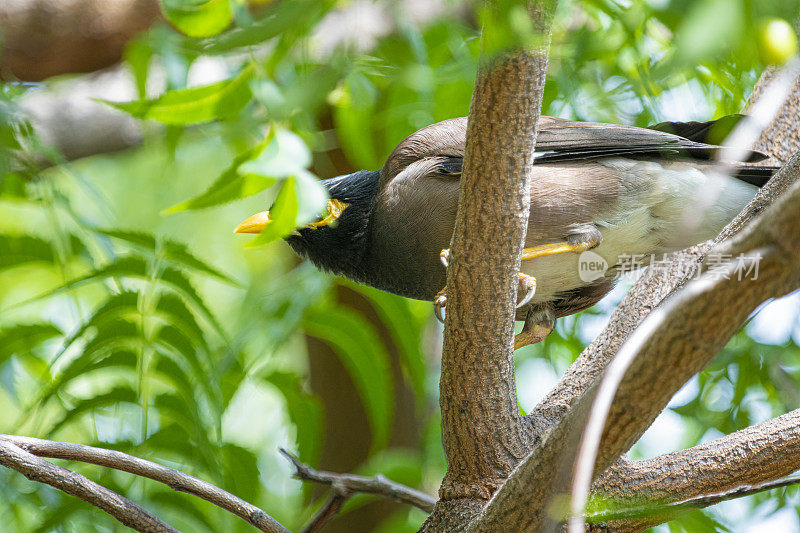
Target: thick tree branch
[(484, 435), (127, 463), (352, 484), (43, 38), (747, 461), (36, 469)]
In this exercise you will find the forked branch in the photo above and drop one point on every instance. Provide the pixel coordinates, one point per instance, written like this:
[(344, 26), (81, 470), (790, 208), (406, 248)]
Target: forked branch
[(175, 479)]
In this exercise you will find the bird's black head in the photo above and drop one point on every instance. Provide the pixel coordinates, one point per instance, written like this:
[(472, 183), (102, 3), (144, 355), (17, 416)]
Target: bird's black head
[(339, 246)]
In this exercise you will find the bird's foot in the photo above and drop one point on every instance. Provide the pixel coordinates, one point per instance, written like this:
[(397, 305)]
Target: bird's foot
[(526, 290), (439, 303), (539, 323), (532, 336)]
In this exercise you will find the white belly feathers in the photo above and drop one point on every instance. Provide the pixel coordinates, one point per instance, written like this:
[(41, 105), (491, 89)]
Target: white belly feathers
[(682, 205)]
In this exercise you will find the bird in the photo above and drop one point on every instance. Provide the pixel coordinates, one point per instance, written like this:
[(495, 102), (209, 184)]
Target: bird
[(615, 191)]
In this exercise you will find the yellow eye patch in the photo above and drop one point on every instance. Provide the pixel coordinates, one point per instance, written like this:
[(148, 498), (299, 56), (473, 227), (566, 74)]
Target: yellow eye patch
[(335, 210)]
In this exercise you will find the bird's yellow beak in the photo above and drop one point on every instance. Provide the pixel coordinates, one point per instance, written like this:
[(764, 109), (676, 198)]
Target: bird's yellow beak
[(254, 224), (259, 221)]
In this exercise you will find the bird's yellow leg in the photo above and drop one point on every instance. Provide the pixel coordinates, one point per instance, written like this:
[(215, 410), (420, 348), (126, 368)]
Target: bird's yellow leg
[(544, 250)]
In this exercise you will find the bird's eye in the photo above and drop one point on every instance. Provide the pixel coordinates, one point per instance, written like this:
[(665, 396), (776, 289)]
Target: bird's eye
[(331, 216), (451, 165)]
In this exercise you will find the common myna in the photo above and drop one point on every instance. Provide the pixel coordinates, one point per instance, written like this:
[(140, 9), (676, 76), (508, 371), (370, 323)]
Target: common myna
[(620, 191)]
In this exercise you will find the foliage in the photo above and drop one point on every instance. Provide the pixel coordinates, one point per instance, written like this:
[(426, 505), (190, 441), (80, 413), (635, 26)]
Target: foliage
[(130, 317)]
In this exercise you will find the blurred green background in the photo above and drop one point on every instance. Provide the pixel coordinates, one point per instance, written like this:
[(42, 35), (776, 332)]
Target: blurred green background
[(132, 318)]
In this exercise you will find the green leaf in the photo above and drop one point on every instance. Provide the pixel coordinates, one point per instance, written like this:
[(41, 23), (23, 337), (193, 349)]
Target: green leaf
[(138, 55), (198, 18), (173, 311), (311, 195), (283, 215), (173, 340), (230, 185), (184, 506), (240, 467), (285, 16), (305, 412), (364, 356), (24, 337), (18, 250), (170, 250), (284, 154), (115, 396), (136, 267), (87, 363), (197, 104)]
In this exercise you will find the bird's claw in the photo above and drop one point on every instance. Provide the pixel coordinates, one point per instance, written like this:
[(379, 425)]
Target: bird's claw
[(444, 257), (439, 303), (526, 290)]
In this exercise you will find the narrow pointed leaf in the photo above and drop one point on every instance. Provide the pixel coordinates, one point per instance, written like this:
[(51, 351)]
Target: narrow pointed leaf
[(197, 104), (230, 185)]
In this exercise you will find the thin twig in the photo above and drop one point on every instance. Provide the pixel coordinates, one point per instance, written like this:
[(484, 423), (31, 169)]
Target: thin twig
[(696, 502), (378, 485), (330, 509), (175, 479), (36, 469)]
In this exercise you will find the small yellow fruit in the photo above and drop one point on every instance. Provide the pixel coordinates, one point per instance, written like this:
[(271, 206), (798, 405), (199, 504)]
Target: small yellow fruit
[(777, 41)]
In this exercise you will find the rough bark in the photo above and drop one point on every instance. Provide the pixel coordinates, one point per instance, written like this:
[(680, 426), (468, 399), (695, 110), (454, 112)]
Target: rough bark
[(483, 432), (757, 454)]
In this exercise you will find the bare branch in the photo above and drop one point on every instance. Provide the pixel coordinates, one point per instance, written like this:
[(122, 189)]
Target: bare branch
[(36, 469), (127, 463), (351, 483), (745, 462), (328, 510)]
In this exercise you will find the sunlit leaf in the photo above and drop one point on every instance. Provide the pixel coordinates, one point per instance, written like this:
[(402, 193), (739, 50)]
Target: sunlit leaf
[(115, 396), (283, 215), (197, 104), (298, 14), (406, 331), (24, 337), (240, 467), (16, 250), (230, 185), (198, 18), (173, 251), (283, 155)]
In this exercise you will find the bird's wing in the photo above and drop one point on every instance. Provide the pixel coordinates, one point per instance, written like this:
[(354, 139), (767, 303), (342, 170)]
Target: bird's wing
[(566, 140), (441, 145)]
